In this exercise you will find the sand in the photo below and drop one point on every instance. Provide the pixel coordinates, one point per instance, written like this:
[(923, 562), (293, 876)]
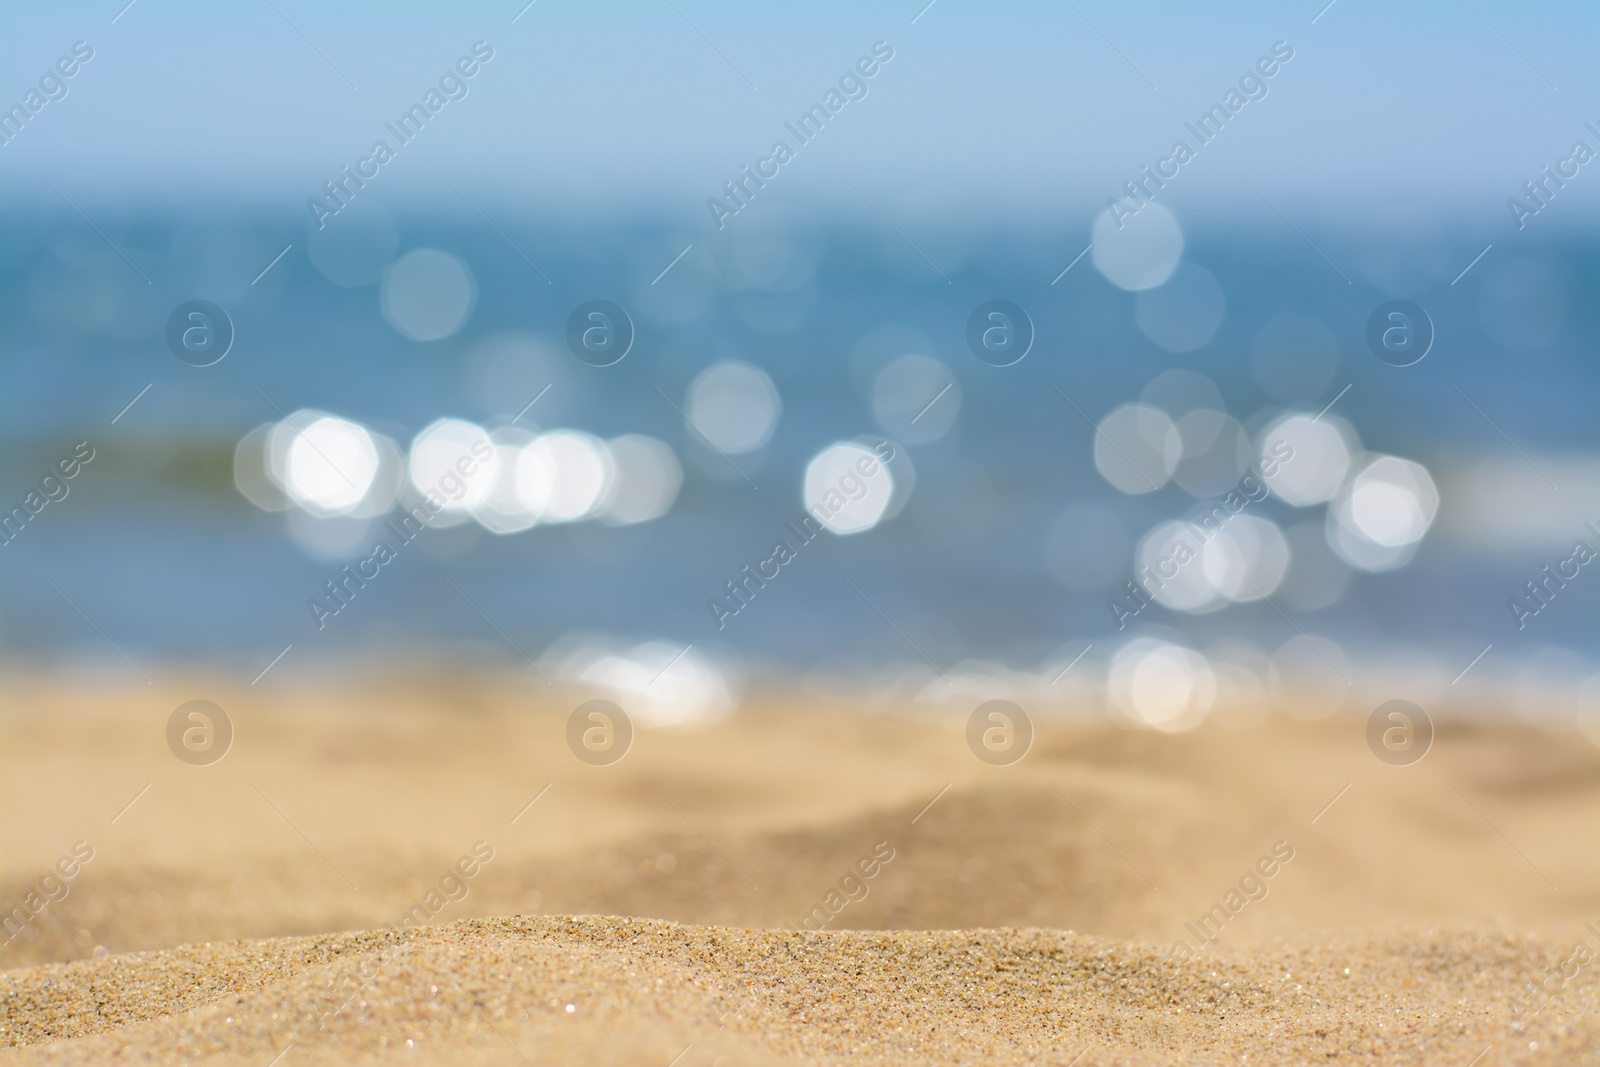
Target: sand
[(656, 911)]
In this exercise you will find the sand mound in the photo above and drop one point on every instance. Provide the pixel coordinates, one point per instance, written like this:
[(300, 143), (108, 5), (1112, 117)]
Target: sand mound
[(803, 884), (603, 990)]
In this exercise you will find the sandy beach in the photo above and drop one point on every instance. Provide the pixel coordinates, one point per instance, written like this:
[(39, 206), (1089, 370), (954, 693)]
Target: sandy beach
[(829, 535), (416, 868)]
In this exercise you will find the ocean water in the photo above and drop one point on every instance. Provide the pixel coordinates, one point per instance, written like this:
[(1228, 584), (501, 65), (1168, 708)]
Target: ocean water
[(1011, 546)]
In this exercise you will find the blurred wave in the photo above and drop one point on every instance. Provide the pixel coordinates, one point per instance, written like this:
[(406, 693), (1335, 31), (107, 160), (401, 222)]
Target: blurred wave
[(226, 497)]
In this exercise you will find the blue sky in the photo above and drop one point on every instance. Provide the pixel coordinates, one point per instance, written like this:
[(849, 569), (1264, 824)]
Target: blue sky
[(1024, 112)]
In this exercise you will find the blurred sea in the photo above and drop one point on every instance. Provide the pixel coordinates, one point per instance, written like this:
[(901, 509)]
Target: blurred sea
[(155, 549)]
